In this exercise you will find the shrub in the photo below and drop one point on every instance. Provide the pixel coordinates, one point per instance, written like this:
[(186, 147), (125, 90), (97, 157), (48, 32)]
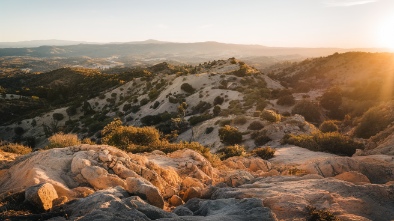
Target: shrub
[(304, 141), (200, 118), (270, 115), (261, 140), (61, 140), (287, 100), (255, 125), (216, 110), (218, 100), (19, 131), (144, 101), (71, 111), (201, 107), (264, 153), (209, 130), (230, 135), (240, 120), (156, 104), (58, 116), (373, 121), (187, 88), (14, 148), (328, 126), (231, 151), (307, 109), (122, 136), (126, 107), (320, 215), (332, 142)]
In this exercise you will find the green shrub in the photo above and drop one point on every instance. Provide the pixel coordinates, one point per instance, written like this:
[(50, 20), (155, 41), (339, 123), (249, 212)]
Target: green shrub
[(15, 148), (230, 135), (332, 142), (216, 110), (261, 140), (255, 125), (307, 109), (198, 119), (373, 121), (328, 126), (61, 140), (144, 101), (58, 116), (123, 136), (304, 141), (240, 120), (187, 88), (287, 100), (218, 100), (264, 153), (209, 130), (231, 151), (270, 115)]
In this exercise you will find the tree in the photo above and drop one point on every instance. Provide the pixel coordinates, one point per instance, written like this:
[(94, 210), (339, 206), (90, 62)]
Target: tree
[(182, 109)]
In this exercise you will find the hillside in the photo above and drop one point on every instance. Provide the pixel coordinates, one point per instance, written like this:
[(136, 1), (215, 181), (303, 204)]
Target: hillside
[(302, 140)]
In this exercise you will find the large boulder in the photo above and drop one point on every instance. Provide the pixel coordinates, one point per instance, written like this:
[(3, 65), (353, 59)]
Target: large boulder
[(41, 196)]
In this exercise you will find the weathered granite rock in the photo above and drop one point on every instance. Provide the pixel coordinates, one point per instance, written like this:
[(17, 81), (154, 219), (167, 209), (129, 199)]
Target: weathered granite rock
[(41, 196), (143, 188)]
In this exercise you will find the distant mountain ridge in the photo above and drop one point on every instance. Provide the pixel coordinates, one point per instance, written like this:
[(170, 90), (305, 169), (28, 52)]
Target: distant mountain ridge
[(59, 48)]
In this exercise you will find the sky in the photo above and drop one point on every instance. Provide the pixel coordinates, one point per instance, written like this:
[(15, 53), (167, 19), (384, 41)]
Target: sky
[(277, 23)]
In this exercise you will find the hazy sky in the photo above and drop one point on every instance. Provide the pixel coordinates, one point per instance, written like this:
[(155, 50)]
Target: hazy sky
[(298, 23)]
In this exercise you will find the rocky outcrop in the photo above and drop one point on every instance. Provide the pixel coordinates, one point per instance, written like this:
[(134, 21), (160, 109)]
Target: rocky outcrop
[(288, 197), (117, 204), (377, 168)]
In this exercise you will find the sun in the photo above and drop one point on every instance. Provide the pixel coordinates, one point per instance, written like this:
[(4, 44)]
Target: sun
[(386, 33)]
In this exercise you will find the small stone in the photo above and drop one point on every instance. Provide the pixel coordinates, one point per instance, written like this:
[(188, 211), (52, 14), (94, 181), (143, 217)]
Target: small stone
[(176, 201), (192, 192)]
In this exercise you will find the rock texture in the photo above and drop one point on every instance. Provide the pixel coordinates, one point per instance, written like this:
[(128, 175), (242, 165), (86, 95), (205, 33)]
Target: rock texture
[(41, 196), (98, 182)]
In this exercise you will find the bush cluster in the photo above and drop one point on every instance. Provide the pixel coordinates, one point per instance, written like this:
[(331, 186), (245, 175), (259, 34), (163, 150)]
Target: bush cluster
[(328, 126), (287, 100), (307, 109), (373, 121), (264, 153), (270, 115), (255, 125), (332, 142), (61, 140), (240, 120), (231, 151), (15, 148), (187, 88), (230, 135)]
